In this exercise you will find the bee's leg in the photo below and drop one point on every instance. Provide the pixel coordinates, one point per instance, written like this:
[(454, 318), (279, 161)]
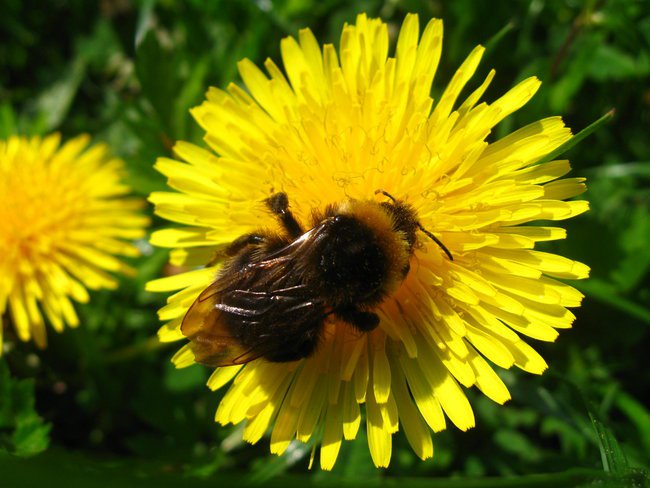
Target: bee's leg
[(243, 241), (278, 203), (235, 247), (359, 319), (296, 350)]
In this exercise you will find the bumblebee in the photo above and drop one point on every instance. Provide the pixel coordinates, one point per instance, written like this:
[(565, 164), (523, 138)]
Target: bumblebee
[(275, 291)]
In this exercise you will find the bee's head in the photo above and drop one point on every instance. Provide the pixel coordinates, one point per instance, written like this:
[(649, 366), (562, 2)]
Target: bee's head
[(405, 220)]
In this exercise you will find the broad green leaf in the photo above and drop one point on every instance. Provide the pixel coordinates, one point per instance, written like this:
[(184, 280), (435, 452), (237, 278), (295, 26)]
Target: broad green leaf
[(31, 435), (22, 431)]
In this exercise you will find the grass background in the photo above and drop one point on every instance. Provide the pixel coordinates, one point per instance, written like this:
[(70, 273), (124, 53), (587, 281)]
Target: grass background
[(104, 401)]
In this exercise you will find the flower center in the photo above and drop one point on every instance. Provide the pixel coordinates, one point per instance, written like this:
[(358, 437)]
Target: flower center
[(38, 209)]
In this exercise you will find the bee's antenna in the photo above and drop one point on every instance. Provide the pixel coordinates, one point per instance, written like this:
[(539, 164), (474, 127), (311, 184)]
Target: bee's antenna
[(436, 240), (386, 194)]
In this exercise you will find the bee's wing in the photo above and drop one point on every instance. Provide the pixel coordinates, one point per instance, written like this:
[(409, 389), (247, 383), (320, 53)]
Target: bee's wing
[(211, 342), (266, 291)]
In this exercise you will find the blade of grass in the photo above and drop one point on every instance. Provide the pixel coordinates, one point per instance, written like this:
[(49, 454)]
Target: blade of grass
[(638, 415), (53, 104), (612, 456), (496, 38), (590, 129), (145, 21)]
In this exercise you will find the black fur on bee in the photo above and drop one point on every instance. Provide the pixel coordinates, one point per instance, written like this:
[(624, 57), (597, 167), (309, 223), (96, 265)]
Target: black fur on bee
[(275, 291)]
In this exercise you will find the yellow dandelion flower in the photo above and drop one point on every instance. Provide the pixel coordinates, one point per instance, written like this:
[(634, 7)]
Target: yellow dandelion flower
[(337, 126), (64, 219)]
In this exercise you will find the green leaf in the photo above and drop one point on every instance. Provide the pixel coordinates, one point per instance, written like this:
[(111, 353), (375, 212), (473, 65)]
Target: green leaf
[(638, 415), (190, 94), (145, 20), (569, 435), (611, 454), (22, 431), (7, 121), (53, 104), (590, 129), (493, 41), (516, 443), (610, 63), (31, 436), (156, 69)]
